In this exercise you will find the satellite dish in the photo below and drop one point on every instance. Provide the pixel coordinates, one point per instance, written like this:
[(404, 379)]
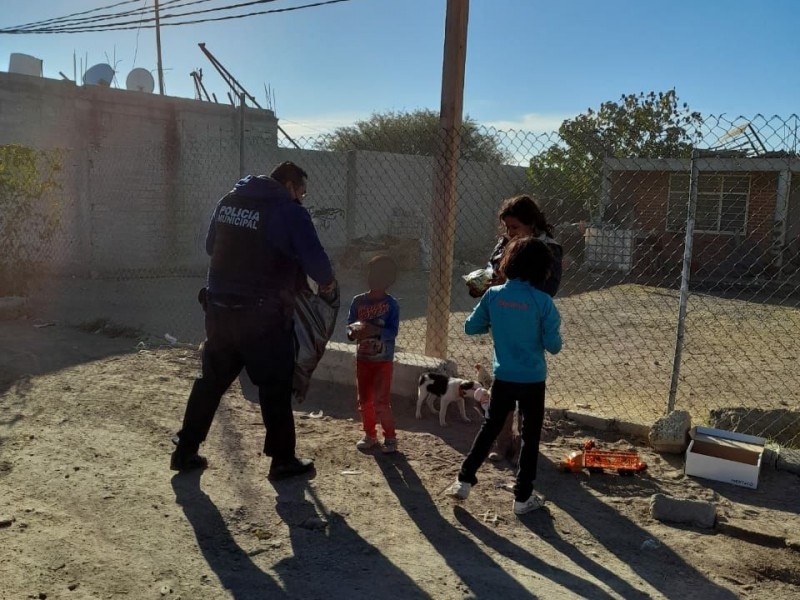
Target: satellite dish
[(25, 65), (140, 80), (101, 74)]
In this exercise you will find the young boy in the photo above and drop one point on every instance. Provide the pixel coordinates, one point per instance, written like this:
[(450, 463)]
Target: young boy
[(373, 322), (524, 324)]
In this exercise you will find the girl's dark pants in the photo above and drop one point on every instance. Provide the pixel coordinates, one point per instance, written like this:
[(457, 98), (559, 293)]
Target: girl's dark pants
[(505, 396)]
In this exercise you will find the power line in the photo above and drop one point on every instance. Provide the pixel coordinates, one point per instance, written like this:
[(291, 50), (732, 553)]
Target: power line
[(85, 12), (68, 28), (68, 22), (128, 25)]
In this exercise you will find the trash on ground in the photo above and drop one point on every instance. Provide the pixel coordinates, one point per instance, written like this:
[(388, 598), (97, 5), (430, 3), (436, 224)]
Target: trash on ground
[(490, 517), (315, 415), (170, 338), (352, 472), (651, 544)]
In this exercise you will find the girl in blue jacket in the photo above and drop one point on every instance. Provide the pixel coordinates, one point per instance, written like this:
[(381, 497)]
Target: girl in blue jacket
[(524, 324)]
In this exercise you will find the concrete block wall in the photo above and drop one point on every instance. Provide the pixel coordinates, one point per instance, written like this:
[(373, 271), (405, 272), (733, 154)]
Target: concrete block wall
[(142, 174), (391, 184), (327, 188)]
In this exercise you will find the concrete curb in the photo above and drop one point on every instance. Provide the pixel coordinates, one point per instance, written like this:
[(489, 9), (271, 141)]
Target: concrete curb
[(338, 366), (634, 430), (788, 459)]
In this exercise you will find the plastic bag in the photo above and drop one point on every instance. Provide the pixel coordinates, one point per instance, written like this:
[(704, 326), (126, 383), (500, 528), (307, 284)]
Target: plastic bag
[(479, 280), (314, 322)]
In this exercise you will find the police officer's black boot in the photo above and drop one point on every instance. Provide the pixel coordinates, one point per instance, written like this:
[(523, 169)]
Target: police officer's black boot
[(284, 469), (184, 459)]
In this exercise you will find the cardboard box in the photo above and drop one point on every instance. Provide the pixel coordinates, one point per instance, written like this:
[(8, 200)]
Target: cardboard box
[(725, 456)]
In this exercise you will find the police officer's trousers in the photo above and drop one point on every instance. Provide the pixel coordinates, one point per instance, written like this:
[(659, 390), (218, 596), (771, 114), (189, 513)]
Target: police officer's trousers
[(261, 341)]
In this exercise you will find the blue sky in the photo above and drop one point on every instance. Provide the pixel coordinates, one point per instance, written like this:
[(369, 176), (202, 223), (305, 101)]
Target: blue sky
[(530, 63)]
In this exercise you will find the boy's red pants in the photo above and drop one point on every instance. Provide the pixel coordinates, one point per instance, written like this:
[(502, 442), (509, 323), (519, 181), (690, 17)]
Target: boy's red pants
[(374, 381)]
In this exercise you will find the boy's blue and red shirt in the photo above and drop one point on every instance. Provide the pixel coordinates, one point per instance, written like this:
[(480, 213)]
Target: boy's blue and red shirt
[(383, 313)]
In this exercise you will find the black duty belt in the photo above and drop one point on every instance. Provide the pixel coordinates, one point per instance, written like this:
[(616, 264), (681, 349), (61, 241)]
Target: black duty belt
[(242, 302)]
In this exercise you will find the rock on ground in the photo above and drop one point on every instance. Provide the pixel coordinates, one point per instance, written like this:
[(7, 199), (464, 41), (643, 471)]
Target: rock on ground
[(670, 434), (6, 521), (675, 510)]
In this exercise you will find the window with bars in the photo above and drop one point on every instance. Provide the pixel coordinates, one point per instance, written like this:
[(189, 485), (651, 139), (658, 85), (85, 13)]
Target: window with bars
[(722, 201)]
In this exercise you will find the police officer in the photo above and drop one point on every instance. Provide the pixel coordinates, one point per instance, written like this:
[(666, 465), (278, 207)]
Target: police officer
[(262, 244)]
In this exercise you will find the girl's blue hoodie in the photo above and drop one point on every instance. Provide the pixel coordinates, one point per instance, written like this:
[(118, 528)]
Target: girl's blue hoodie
[(524, 323)]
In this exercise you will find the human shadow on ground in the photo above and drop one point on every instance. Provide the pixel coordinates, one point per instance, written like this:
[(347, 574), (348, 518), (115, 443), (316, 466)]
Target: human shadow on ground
[(483, 575), (330, 558), (237, 572), (524, 558), (662, 568)]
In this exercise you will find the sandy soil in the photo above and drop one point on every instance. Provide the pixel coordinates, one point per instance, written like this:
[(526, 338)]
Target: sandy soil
[(619, 339), (85, 423)]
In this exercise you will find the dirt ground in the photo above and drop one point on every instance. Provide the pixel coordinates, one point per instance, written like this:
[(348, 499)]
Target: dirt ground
[(619, 340), (95, 513)]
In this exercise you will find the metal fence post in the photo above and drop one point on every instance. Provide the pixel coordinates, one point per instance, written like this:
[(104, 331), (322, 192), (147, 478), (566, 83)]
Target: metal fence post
[(686, 274)]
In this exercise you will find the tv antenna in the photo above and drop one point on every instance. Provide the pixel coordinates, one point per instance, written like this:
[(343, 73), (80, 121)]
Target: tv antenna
[(200, 89), (750, 135), (237, 89)]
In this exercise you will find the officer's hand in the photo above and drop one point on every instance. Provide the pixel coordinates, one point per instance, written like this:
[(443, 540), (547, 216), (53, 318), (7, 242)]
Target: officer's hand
[(328, 290)]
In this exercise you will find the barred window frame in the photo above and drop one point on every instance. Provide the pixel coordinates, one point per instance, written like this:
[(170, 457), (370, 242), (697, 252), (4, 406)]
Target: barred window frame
[(710, 194)]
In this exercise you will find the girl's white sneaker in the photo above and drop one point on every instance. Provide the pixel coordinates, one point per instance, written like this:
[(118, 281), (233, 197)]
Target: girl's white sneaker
[(459, 490), (531, 504)]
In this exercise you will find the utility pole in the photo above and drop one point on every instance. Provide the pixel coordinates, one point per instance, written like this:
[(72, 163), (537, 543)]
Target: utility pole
[(158, 50), (445, 168)]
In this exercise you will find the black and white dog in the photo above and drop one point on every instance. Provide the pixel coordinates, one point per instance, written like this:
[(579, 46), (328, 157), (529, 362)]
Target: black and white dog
[(448, 390)]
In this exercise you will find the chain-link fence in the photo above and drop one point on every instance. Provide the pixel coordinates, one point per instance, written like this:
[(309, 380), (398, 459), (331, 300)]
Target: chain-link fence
[(681, 252)]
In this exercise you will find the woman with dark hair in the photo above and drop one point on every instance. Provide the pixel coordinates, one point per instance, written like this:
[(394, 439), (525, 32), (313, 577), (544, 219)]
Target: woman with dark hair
[(520, 216)]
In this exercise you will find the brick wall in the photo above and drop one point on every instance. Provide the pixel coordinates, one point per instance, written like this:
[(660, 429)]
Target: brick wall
[(644, 196)]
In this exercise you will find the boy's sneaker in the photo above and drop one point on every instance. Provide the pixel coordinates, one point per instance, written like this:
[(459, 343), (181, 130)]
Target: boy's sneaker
[(366, 443), (389, 446), (459, 490), (529, 505)]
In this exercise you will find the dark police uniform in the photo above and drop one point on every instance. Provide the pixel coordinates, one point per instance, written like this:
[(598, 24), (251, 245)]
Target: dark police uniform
[(262, 243)]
